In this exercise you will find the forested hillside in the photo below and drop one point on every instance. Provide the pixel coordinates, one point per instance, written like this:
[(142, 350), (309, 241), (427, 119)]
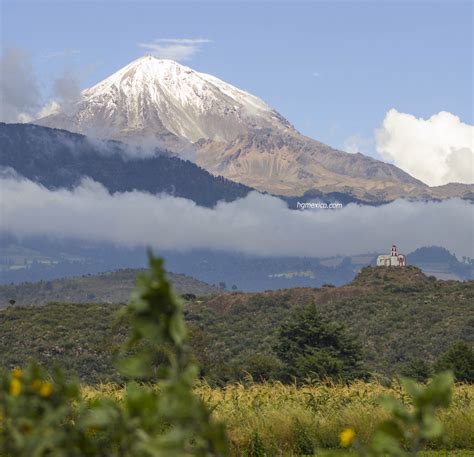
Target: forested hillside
[(57, 158), (113, 287), (399, 316)]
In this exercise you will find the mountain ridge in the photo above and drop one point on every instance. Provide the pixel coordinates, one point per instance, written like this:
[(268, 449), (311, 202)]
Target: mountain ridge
[(291, 164), (61, 159), (229, 132)]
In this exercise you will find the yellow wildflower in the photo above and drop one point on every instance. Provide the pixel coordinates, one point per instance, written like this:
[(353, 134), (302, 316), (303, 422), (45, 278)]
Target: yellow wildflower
[(36, 384), (346, 437), (92, 431), (15, 387), (17, 373), (46, 389), (26, 428)]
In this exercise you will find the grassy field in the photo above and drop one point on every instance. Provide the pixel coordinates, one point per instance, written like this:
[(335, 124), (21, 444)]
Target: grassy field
[(341, 453), (277, 419)]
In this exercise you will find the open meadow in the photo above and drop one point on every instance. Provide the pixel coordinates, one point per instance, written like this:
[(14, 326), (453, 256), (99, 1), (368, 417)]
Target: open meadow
[(277, 419)]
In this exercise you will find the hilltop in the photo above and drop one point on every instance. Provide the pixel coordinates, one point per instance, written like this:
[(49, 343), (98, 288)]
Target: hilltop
[(398, 315), (112, 287)]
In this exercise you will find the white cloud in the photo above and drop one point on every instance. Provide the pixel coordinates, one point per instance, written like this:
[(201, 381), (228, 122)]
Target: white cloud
[(67, 90), (52, 107), (437, 150), (258, 224), (357, 143), (175, 48), (59, 54), (19, 91), (66, 93), (20, 97)]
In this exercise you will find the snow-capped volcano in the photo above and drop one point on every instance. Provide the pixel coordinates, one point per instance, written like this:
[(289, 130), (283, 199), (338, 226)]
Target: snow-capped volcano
[(161, 98), (228, 131)]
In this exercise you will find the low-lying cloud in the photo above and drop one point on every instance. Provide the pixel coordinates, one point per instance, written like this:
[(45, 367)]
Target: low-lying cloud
[(437, 150), (258, 224)]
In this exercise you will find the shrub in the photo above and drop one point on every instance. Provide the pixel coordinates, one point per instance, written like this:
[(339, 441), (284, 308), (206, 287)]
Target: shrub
[(43, 415), (460, 359)]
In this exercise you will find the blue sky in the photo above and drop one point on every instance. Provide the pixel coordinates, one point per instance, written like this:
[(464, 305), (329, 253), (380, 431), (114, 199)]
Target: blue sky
[(333, 69)]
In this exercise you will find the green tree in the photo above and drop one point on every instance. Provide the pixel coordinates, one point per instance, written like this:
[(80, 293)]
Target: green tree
[(260, 366), (418, 369), (459, 358), (309, 345)]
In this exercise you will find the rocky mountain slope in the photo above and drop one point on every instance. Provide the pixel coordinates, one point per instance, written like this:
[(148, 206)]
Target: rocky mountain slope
[(290, 164), (155, 102)]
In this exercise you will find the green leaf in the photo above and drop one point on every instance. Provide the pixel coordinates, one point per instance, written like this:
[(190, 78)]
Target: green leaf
[(137, 366)]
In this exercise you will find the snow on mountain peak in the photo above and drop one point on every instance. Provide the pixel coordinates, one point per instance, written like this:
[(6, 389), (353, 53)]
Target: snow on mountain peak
[(156, 97)]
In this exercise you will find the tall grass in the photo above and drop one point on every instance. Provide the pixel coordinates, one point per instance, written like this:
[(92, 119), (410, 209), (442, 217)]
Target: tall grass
[(288, 419)]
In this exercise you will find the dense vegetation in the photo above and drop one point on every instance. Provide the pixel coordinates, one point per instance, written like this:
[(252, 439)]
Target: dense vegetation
[(159, 414), (47, 416), (311, 347), (399, 317), (57, 158)]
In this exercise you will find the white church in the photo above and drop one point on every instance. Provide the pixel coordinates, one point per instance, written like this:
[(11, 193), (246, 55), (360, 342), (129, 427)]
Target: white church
[(393, 260)]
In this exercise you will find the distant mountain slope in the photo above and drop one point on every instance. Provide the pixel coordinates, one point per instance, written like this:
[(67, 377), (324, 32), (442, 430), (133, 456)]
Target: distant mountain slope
[(234, 134), (42, 258), (112, 287), (288, 163), (398, 315), (438, 261), (57, 158)]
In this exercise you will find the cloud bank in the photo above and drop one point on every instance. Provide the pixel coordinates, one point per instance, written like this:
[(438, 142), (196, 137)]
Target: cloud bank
[(180, 49), (437, 150), (258, 224)]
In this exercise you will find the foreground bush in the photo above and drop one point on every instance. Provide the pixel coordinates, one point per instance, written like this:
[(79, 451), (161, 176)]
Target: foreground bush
[(43, 415)]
